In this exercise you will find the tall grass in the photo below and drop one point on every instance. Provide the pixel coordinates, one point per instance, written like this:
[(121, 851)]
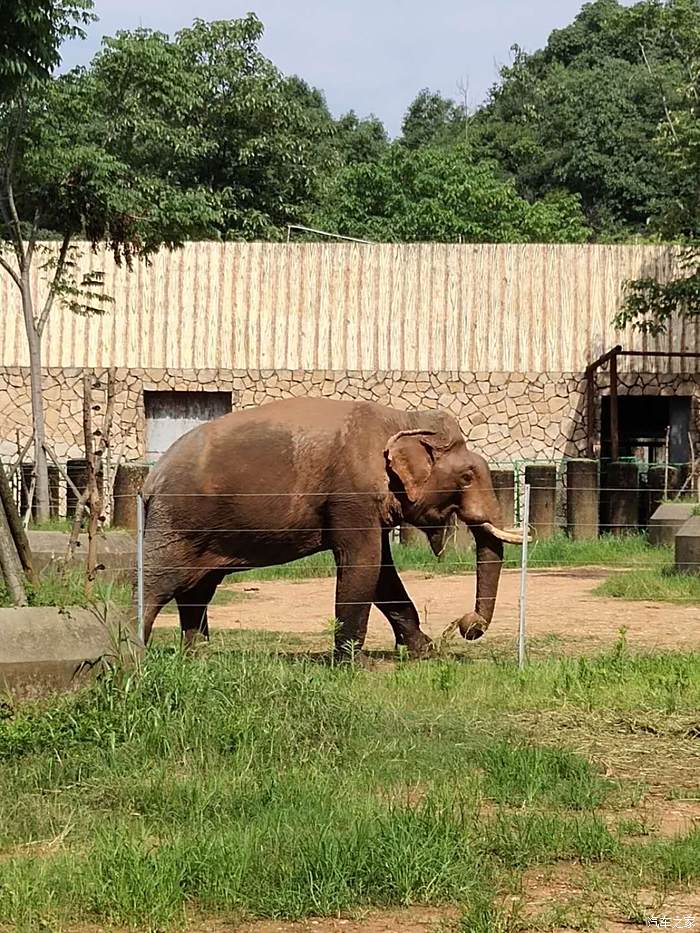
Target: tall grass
[(247, 784)]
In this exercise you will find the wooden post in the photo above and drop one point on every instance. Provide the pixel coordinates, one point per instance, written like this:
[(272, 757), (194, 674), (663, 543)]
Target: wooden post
[(542, 480), (94, 457), (10, 565), (504, 486), (622, 480), (614, 423), (582, 499), (14, 522), (590, 411)]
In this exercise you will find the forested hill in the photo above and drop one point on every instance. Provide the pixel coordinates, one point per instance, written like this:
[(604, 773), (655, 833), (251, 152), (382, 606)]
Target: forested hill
[(593, 138)]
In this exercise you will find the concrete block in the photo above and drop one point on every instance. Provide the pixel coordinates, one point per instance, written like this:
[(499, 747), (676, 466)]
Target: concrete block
[(667, 520), (116, 550), (46, 649), (687, 543)]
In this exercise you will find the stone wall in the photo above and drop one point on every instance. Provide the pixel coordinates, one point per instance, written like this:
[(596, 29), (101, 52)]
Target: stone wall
[(507, 416)]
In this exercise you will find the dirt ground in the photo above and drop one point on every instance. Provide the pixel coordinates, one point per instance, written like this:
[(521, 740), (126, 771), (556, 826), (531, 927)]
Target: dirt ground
[(559, 603)]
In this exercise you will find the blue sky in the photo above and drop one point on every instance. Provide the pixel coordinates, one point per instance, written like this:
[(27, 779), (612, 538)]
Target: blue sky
[(366, 55)]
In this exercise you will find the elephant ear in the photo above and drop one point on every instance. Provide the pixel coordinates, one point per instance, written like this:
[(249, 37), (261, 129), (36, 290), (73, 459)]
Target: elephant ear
[(410, 456)]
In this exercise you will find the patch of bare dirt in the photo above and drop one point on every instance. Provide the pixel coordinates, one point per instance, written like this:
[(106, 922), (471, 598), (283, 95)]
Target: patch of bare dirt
[(564, 893), (410, 920), (559, 604)]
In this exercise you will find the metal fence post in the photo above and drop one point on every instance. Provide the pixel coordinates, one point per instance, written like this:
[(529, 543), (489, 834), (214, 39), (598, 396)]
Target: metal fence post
[(139, 565), (523, 575)]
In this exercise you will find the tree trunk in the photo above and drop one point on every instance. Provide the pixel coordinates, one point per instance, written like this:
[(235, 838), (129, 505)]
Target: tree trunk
[(18, 533), (41, 467), (93, 495), (9, 562)]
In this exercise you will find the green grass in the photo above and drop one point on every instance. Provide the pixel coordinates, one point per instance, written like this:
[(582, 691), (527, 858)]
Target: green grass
[(62, 524), (245, 783), (662, 584), (559, 551), (68, 589)]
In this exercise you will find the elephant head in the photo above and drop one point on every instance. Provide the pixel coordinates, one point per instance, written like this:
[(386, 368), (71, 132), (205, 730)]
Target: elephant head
[(436, 477)]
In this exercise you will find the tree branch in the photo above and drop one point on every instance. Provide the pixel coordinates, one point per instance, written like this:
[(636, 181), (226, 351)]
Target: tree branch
[(9, 208), (60, 264), (10, 271), (31, 245)]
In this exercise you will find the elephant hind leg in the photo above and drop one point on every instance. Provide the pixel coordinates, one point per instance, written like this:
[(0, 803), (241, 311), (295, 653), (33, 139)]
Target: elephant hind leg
[(192, 606), (395, 604)]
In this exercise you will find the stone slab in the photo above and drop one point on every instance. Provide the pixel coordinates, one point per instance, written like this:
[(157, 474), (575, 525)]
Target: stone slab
[(116, 550), (687, 544), (667, 521), (46, 649)]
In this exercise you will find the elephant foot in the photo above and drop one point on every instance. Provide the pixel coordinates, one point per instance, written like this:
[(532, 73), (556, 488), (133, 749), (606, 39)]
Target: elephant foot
[(351, 656), (418, 648), (472, 626), (193, 642)]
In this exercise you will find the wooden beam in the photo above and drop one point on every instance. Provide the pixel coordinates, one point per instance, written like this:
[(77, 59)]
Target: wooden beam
[(590, 413), (602, 360), (614, 423), (678, 354)]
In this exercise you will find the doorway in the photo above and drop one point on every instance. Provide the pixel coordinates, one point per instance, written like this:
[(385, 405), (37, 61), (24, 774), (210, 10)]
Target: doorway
[(169, 415), (643, 421)]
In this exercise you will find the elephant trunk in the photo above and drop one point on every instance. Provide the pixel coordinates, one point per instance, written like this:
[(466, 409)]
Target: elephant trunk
[(489, 560)]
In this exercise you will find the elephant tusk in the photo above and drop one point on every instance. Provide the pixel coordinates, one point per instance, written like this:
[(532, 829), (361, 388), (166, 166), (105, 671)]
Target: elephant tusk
[(510, 537)]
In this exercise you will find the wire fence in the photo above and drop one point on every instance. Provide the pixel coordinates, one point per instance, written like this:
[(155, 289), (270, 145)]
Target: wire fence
[(543, 509)]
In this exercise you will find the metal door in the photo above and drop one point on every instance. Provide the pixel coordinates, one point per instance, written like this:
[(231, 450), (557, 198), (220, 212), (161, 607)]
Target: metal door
[(169, 415)]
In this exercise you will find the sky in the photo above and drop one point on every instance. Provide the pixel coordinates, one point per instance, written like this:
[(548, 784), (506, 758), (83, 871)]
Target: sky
[(372, 56)]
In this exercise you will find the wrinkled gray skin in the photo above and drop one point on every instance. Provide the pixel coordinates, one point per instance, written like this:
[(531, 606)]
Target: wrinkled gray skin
[(269, 485)]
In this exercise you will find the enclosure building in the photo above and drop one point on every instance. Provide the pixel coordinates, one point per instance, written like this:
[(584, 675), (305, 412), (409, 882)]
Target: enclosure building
[(500, 335)]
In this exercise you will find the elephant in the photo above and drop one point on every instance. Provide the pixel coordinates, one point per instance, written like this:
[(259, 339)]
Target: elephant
[(293, 477)]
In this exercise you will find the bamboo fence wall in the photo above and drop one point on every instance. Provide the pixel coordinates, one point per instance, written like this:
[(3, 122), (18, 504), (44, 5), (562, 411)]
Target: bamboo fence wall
[(335, 306)]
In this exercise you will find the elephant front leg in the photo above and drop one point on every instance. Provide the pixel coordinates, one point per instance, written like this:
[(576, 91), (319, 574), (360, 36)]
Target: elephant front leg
[(395, 603), (357, 560)]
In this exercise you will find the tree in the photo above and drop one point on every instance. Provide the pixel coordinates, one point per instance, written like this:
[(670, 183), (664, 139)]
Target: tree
[(649, 303), (32, 33), (359, 139), (583, 112), (29, 50), (72, 164), (432, 120), (264, 140), (440, 194)]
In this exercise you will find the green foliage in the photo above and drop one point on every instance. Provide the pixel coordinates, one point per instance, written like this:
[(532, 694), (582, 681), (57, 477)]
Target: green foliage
[(32, 32), (432, 120), (583, 113), (359, 140), (441, 194), (649, 302)]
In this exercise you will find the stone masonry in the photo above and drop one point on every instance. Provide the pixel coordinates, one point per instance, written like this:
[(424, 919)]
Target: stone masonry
[(506, 416)]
